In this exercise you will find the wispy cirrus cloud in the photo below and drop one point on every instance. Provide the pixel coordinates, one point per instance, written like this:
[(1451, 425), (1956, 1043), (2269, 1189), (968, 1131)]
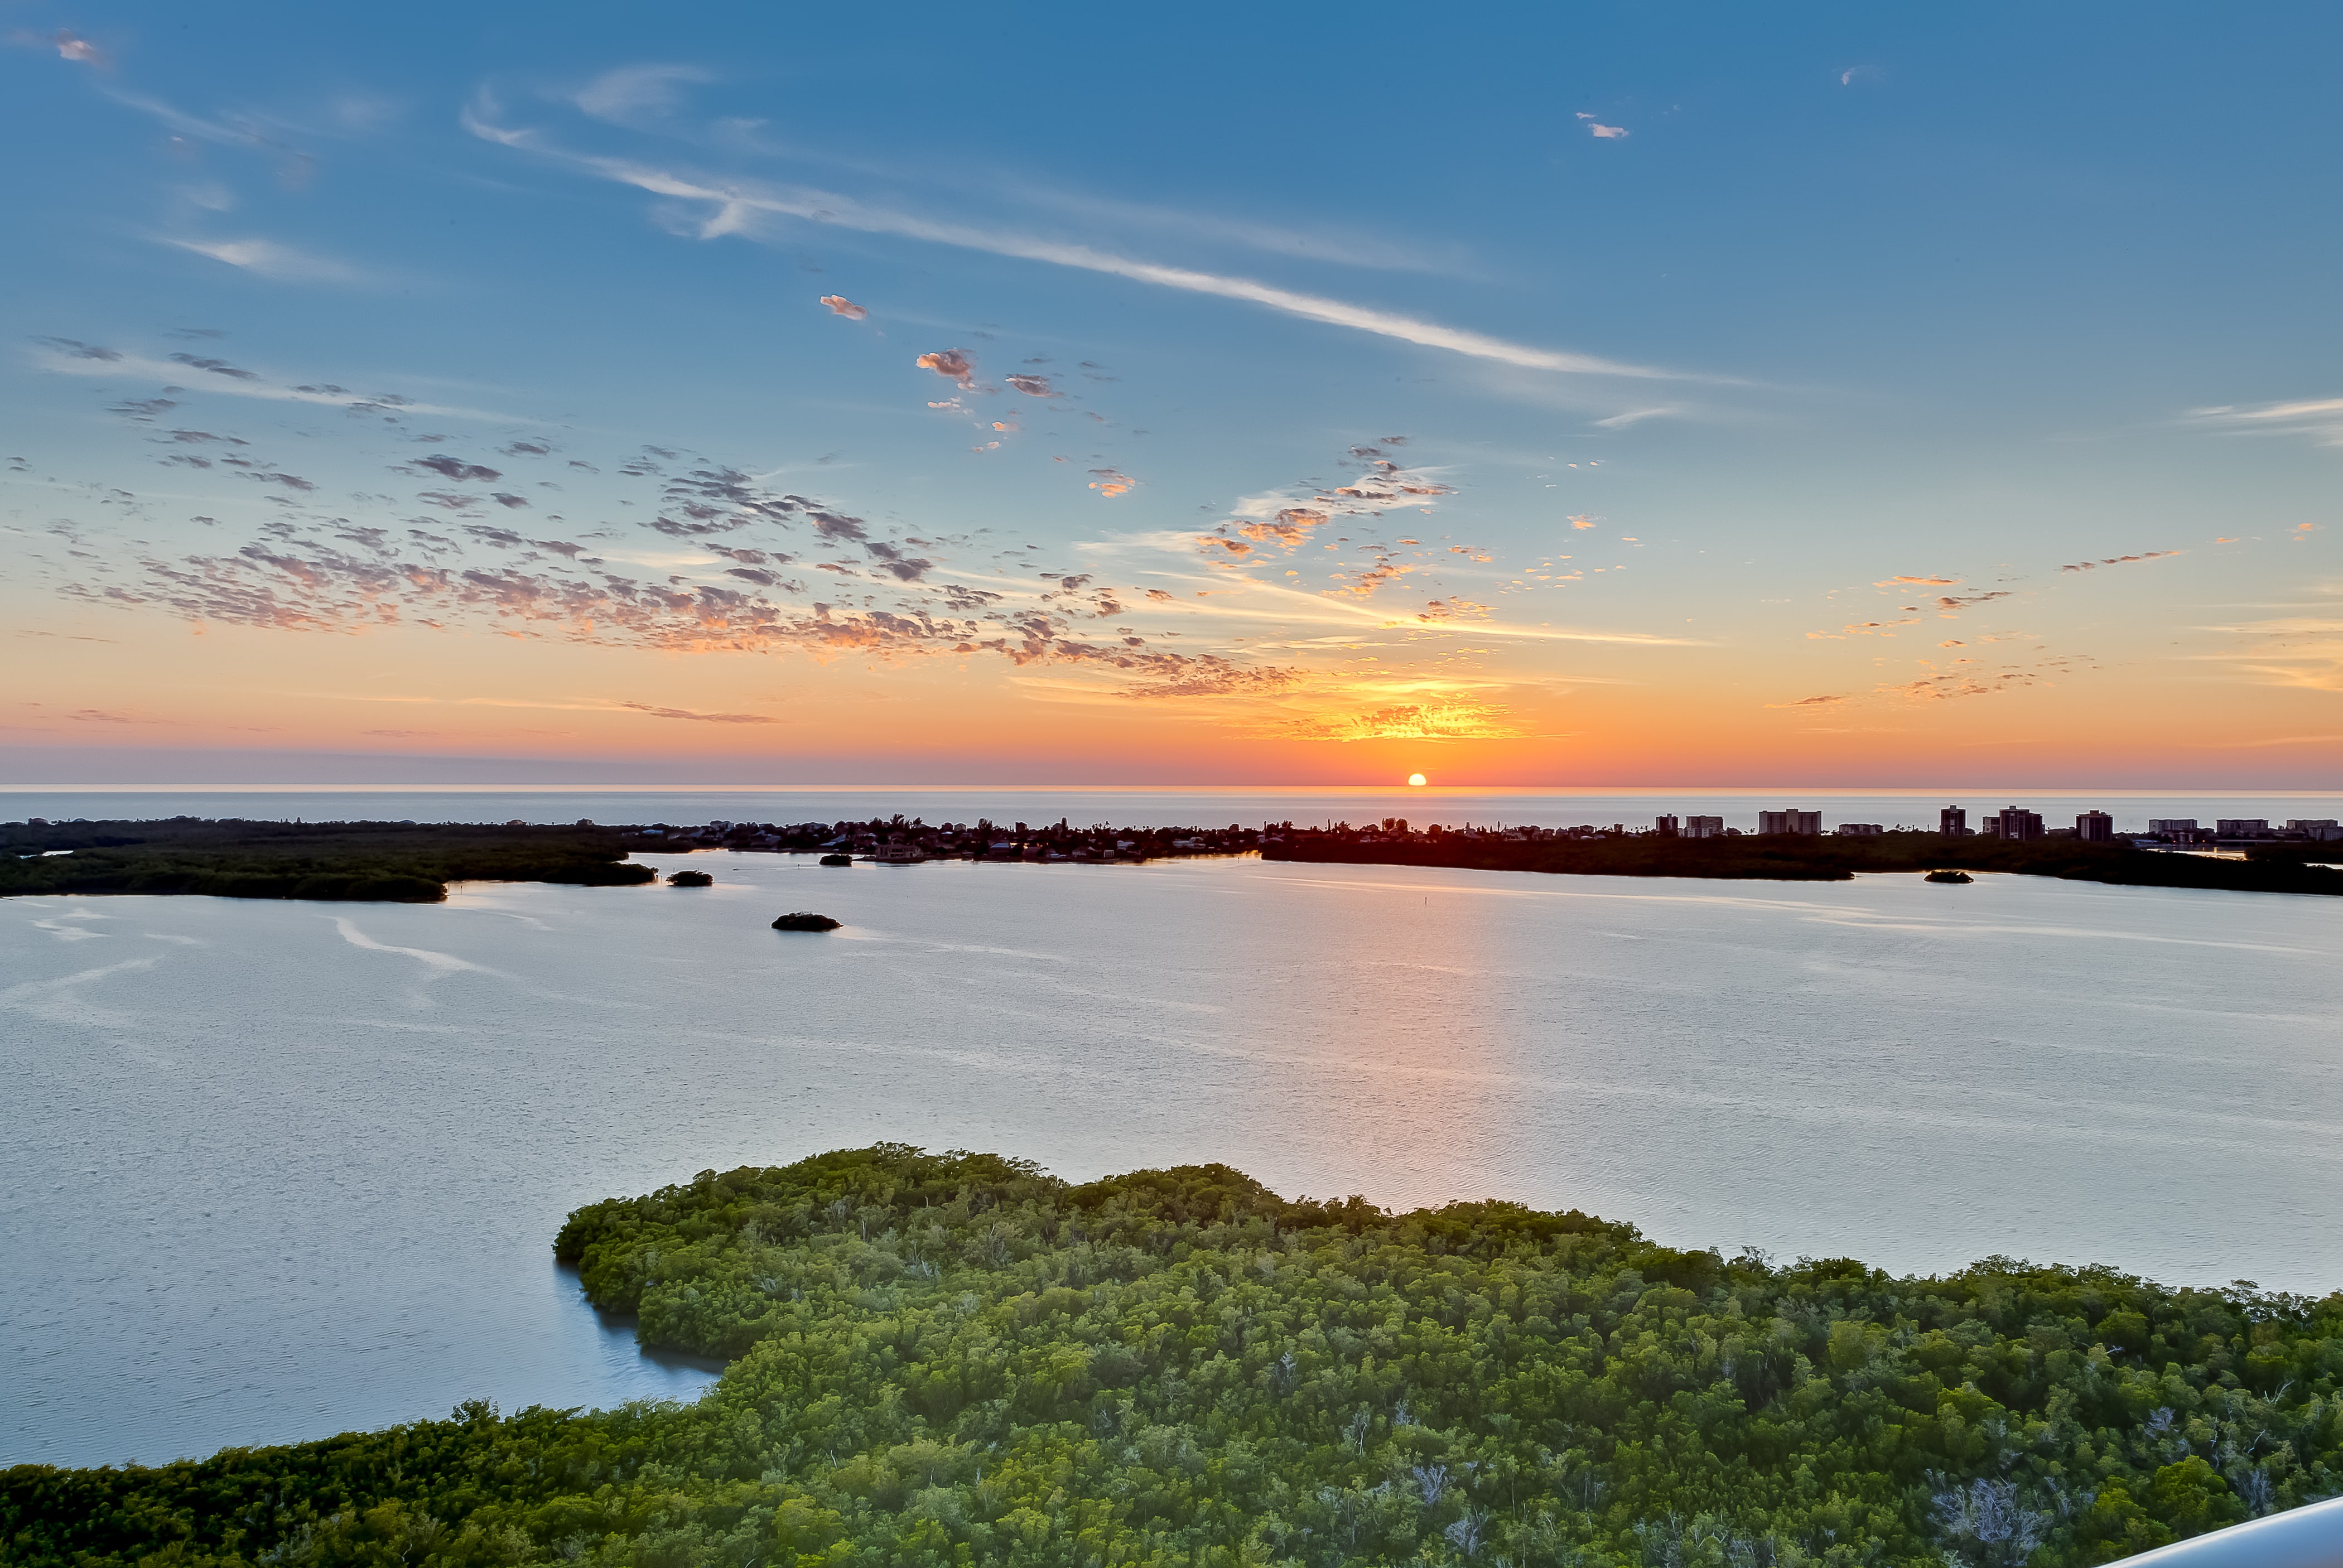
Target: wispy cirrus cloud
[(1310, 241), (746, 208), (657, 712), (2319, 418), (1637, 416), (2301, 651), (270, 259), (633, 93), (66, 357)]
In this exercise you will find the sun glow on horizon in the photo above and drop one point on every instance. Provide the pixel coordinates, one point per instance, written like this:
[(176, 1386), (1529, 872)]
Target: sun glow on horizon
[(1415, 781)]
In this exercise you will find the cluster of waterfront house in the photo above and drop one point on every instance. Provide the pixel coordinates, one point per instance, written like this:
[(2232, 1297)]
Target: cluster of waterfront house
[(2017, 823)]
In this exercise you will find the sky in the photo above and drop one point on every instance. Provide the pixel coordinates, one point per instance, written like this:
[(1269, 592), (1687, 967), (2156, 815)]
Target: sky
[(1558, 394)]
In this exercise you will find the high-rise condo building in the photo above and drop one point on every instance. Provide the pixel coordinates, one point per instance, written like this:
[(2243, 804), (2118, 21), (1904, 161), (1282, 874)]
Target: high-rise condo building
[(1953, 822), (2015, 822), (1808, 823), (2096, 828), (1703, 827)]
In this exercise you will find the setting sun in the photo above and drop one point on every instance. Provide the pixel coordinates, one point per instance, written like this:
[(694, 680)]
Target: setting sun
[(1415, 781)]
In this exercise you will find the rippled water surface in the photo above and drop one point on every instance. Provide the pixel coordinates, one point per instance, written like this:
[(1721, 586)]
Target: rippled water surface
[(276, 1170)]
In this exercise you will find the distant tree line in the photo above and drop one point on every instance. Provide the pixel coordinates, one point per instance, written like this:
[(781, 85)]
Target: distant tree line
[(413, 862), (957, 1359), (1781, 857), (407, 863)]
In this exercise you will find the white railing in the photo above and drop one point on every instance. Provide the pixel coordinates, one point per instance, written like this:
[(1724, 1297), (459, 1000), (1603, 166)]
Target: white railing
[(2310, 1537)]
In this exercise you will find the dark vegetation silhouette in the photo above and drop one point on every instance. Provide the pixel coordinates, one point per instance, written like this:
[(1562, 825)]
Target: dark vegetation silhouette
[(413, 862), (405, 862), (1781, 857)]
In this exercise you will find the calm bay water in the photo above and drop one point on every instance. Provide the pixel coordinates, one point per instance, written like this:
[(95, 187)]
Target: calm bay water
[(276, 1170)]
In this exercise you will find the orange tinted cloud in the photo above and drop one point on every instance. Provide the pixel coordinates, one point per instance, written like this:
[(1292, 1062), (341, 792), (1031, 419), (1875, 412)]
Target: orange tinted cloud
[(951, 364), (1288, 528), (1374, 577), (658, 712), (1409, 721)]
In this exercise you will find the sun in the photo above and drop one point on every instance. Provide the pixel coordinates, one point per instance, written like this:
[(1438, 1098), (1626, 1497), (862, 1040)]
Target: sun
[(1415, 781)]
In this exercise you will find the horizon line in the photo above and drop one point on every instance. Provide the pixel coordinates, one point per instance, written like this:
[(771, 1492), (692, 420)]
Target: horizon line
[(1425, 791)]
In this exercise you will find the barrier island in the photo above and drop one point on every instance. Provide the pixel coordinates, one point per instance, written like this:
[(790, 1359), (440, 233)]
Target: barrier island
[(1783, 857), (960, 1359), (413, 862), (404, 862)]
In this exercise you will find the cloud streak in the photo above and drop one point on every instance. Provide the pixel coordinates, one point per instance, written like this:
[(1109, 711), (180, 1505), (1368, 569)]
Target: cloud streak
[(2320, 418), (64, 357), (268, 258), (631, 91), (741, 207), (658, 712), (2117, 560)]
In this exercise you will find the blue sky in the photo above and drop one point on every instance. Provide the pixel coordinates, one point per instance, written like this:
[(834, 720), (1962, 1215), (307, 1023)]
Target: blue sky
[(1696, 328)]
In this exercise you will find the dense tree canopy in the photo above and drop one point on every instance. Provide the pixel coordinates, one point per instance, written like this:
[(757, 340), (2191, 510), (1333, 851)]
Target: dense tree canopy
[(2288, 867), (957, 1359), (402, 862)]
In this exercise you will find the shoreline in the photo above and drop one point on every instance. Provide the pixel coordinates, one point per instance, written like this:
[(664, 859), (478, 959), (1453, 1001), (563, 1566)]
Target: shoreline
[(411, 862)]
